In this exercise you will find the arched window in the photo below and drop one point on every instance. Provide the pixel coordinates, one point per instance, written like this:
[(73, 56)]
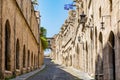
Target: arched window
[(32, 59), (7, 46), (17, 54), (24, 56), (77, 49), (91, 35), (100, 37), (110, 2), (100, 12)]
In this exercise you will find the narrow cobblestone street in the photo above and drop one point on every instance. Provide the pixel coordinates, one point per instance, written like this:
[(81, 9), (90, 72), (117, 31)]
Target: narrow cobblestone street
[(53, 72)]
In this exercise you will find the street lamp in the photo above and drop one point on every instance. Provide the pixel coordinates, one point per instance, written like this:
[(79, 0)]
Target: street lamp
[(83, 18), (102, 25)]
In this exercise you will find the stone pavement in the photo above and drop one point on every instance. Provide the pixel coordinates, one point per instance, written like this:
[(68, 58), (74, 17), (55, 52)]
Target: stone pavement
[(27, 75), (53, 72), (77, 73)]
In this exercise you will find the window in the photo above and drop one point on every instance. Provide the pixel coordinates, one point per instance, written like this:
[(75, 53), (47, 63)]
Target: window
[(100, 12), (110, 2)]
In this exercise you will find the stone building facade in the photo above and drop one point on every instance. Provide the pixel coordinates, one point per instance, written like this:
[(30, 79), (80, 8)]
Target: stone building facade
[(90, 42), (19, 38)]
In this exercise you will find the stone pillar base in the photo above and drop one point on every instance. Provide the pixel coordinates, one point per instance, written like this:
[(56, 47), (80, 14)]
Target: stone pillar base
[(17, 72), (28, 69), (24, 70), (8, 74)]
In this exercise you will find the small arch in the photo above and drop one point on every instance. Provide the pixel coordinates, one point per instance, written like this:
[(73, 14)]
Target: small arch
[(70, 60), (24, 56), (32, 59), (100, 37), (7, 45), (77, 49), (28, 58), (95, 31), (17, 54), (100, 12), (91, 35)]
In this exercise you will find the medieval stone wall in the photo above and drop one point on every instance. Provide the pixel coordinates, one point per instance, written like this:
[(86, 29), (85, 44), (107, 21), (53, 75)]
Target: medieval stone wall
[(94, 48), (20, 38)]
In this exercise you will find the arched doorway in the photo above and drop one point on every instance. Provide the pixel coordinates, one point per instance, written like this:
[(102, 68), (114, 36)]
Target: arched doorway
[(100, 58), (7, 45), (24, 56), (111, 55), (17, 54), (101, 52)]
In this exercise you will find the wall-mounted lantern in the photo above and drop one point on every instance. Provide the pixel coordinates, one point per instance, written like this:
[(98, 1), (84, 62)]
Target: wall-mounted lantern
[(102, 23), (83, 18)]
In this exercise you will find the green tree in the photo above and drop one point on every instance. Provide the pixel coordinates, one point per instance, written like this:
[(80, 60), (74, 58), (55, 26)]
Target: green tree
[(35, 2), (43, 38), (43, 32)]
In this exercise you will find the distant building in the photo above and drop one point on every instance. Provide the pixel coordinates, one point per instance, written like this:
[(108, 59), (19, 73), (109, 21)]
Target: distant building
[(19, 38), (50, 43)]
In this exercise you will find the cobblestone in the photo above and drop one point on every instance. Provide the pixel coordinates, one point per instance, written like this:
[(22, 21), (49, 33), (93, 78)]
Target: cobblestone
[(53, 72)]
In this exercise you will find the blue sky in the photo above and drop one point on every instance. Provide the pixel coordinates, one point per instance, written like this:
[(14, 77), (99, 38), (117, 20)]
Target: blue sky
[(52, 14)]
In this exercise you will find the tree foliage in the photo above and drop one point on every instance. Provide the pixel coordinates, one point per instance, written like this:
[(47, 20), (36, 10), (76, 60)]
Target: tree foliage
[(35, 2), (43, 38), (43, 32)]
